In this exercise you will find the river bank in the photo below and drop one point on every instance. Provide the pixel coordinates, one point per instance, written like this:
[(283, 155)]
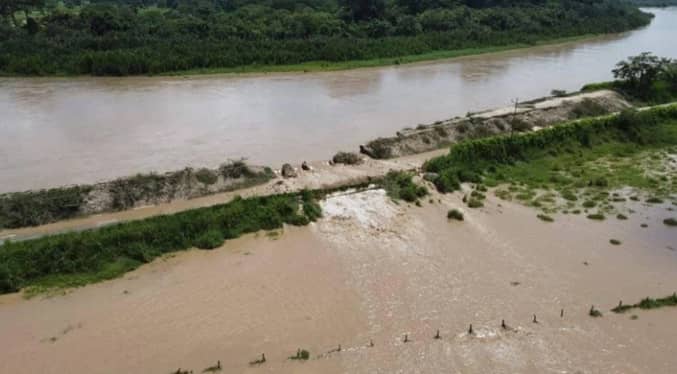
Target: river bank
[(326, 66)]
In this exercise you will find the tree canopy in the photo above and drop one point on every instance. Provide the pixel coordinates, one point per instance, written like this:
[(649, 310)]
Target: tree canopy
[(120, 37)]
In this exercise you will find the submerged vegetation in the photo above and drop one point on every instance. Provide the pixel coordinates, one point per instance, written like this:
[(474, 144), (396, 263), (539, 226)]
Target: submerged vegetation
[(455, 214), (648, 303), (125, 37), (78, 258)]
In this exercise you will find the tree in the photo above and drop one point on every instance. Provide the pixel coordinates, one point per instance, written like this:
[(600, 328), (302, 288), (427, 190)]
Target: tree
[(639, 72), (364, 10)]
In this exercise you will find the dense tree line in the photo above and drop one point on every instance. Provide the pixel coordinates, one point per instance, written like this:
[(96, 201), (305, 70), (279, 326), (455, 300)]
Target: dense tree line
[(121, 37)]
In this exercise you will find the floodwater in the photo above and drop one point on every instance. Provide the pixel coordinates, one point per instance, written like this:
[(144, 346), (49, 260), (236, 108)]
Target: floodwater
[(82, 130), (373, 270)]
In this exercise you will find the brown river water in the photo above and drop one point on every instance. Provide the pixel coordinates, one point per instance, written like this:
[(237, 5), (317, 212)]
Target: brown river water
[(82, 130), (373, 270)]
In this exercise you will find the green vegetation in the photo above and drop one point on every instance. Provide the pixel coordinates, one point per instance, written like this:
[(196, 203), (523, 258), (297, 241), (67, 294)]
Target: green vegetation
[(579, 161), (78, 258), (644, 78), (648, 303), (33, 208), (301, 354), (545, 218), (596, 216), (127, 37), (670, 221), (455, 214), (615, 241), (400, 186), (209, 240), (594, 312), (38, 207), (621, 216)]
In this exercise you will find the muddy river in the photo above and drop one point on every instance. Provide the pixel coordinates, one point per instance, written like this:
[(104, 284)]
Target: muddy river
[(80, 130)]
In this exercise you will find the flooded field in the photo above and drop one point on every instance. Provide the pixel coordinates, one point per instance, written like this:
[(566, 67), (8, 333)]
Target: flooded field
[(373, 270), (82, 130)]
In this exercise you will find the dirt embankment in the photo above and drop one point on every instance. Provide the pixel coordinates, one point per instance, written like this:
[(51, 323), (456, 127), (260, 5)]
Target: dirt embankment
[(527, 116), (34, 208)]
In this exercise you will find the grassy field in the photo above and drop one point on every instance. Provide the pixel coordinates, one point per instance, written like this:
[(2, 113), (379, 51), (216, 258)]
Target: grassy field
[(590, 166)]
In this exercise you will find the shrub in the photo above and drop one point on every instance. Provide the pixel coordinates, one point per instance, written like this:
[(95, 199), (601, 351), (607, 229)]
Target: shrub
[(209, 240), (301, 354), (670, 221), (654, 200), (621, 216), (615, 241), (594, 312), (206, 176), (545, 218), (455, 214), (596, 216), (474, 203), (348, 158), (399, 185)]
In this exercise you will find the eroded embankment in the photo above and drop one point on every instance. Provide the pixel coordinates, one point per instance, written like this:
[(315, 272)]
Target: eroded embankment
[(34, 208), (527, 116)]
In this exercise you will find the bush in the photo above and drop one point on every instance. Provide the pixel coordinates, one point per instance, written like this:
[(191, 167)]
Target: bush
[(474, 203), (670, 221), (545, 218), (399, 185), (209, 240), (301, 354), (348, 158), (596, 216), (615, 241), (455, 214), (206, 176)]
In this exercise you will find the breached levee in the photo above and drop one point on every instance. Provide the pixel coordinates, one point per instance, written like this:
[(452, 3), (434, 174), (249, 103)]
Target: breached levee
[(526, 116), (32, 208)]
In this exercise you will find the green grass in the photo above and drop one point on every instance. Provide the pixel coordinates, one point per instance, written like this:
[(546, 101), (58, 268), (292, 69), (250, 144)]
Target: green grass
[(321, 66), (648, 303), (400, 186), (78, 258), (580, 162)]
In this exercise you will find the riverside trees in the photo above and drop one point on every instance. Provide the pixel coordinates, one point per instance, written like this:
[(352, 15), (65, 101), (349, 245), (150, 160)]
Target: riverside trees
[(123, 37)]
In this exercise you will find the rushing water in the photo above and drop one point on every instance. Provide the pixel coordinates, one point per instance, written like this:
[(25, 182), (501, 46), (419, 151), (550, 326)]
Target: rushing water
[(64, 131)]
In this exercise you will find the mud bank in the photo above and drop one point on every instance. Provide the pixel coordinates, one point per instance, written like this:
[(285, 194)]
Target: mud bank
[(35, 208), (527, 116)]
